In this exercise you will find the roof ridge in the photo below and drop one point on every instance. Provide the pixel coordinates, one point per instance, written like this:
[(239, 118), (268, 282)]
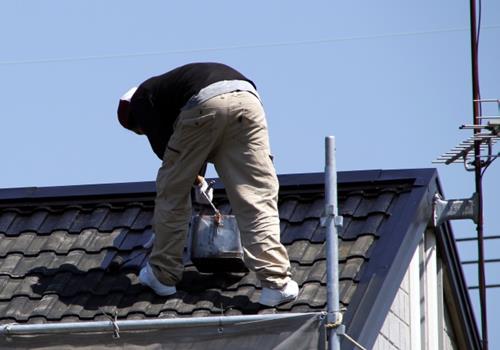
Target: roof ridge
[(147, 188)]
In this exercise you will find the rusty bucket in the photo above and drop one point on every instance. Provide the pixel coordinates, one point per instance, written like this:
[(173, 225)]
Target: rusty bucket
[(216, 244)]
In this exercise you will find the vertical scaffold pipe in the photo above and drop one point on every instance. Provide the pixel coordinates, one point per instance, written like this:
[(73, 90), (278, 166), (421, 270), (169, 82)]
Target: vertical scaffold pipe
[(332, 261)]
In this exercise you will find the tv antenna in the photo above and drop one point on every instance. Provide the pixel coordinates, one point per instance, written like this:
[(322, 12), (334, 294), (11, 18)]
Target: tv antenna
[(476, 153), (486, 134)]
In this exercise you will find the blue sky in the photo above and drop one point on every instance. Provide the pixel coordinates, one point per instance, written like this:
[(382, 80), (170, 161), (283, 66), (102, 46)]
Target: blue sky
[(391, 80)]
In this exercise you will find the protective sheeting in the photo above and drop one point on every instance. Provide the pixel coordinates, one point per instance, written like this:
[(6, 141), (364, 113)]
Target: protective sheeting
[(298, 332)]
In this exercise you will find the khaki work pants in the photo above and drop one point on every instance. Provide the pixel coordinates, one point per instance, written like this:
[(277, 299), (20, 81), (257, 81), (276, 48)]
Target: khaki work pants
[(230, 131)]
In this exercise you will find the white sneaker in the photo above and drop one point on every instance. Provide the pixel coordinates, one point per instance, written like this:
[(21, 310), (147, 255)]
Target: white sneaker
[(274, 297), (147, 278)]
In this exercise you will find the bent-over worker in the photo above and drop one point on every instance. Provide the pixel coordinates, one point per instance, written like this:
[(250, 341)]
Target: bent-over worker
[(209, 112)]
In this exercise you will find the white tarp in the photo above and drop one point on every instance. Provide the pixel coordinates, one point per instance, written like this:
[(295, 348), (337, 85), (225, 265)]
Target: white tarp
[(297, 332)]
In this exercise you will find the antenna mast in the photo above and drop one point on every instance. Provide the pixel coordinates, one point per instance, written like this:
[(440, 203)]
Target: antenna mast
[(477, 155), (478, 173)]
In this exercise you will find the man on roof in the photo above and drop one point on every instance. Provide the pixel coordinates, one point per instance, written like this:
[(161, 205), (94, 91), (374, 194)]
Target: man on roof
[(199, 113)]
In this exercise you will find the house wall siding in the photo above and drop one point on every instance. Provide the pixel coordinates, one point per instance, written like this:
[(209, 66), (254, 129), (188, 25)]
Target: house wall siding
[(395, 333), (419, 318)]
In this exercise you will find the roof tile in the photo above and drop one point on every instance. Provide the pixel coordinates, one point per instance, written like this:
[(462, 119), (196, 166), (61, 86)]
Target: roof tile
[(6, 219), (306, 252), (366, 206), (9, 245), (287, 207), (350, 269), (346, 291), (93, 241), (350, 202), (19, 308), (27, 222), (311, 209), (133, 239), (295, 232), (90, 218), (120, 217), (357, 227), (143, 220), (59, 221), (310, 294), (77, 261), (44, 307), (385, 199), (359, 248)]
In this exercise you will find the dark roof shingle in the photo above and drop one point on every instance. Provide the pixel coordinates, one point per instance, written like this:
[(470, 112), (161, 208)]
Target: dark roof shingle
[(65, 260)]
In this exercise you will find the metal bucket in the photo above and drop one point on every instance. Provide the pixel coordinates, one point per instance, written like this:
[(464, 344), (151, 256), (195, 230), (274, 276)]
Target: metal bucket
[(216, 247)]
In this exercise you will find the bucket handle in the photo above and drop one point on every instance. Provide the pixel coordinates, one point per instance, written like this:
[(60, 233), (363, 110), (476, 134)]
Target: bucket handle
[(218, 215)]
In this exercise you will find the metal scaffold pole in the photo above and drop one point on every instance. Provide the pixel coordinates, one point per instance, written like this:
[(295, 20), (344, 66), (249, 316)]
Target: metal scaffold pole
[(331, 211)]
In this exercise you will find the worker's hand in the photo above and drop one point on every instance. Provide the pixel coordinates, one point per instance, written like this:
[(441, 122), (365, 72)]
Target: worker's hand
[(203, 192)]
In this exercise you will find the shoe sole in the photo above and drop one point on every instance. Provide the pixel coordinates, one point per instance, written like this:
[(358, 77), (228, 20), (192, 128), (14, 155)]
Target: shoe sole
[(165, 294)]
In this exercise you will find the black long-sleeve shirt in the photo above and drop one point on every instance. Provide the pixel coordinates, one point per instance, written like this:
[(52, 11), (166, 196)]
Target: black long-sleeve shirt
[(157, 102)]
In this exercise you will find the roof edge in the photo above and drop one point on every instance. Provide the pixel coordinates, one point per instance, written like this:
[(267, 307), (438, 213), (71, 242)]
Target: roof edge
[(380, 281), (142, 188)]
